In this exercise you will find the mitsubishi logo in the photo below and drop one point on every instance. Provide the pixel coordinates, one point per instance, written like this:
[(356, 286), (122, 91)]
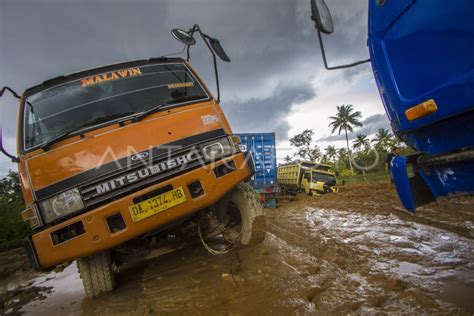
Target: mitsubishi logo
[(140, 156)]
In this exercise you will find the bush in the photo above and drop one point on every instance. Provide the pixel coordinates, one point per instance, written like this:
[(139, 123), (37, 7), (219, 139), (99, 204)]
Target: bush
[(12, 228)]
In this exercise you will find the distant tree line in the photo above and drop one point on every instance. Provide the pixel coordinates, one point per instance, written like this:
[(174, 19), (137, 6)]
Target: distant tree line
[(12, 228), (368, 155)]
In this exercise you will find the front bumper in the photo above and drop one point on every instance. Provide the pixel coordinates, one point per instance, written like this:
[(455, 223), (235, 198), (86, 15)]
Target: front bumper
[(433, 176), (98, 237), (322, 188)]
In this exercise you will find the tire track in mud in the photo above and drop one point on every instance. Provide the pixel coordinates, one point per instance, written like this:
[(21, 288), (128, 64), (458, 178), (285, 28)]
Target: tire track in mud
[(322, 281), (348, 259), (191, 281), (312, 261), (345, 253)]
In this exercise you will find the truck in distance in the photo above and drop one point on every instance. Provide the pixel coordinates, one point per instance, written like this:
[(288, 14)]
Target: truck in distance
[(308, 177)]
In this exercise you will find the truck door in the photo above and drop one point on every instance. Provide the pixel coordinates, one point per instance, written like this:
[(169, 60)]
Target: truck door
[(306, 182), (422, 50)]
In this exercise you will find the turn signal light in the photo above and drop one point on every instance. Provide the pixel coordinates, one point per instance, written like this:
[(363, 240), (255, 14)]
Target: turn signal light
[(30, 216), (421, 110), (235, 140)]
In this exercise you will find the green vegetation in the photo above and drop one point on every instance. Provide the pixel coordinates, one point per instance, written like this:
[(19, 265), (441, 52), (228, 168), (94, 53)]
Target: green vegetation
[(368, 155), (303, 143), (330, 154), (12, 228), (346, 119), (384, 139), (378, 176), (361, 142)]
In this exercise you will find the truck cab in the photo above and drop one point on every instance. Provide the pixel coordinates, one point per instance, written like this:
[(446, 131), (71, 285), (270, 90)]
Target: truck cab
[(317, 182), (306, 176), (126, 152)]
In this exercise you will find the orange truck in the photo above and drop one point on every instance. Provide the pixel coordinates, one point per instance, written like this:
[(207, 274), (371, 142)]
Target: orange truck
[(117, 158)]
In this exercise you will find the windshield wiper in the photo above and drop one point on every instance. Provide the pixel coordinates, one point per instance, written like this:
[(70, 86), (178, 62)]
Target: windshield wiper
[(92, 122), (140, 116)]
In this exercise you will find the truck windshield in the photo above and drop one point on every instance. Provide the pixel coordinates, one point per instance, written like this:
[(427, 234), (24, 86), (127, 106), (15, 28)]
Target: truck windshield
[(62, 108), (323, 177)]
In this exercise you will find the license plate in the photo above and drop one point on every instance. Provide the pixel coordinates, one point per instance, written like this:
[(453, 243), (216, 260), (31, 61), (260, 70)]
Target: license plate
[(157, 204)]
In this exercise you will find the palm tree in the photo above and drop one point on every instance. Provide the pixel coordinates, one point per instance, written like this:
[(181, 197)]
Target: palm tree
[(330, 152), (383, 139), (341, 153), (341, 156), (345, 120), (361, 142), (287, 158)]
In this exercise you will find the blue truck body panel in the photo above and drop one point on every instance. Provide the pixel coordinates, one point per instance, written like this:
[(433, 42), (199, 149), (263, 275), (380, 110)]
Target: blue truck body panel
[(262, 146), (422, 50)]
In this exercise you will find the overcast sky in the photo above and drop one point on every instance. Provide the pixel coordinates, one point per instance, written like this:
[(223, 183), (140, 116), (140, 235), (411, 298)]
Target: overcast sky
[(275, 82)]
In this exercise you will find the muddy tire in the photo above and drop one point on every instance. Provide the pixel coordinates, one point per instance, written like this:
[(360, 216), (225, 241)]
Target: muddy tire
[(243, 200), (96, 274)]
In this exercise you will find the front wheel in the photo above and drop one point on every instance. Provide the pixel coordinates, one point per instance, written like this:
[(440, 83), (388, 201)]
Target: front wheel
[(96, 274), (242, 215)]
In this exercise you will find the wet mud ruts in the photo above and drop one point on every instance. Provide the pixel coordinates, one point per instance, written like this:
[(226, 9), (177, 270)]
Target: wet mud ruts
[(352, 252)]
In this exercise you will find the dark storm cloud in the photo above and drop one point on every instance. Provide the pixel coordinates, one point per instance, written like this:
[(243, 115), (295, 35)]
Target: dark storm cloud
[(271, 43), (369, 126), (268, 114), (265, 39)]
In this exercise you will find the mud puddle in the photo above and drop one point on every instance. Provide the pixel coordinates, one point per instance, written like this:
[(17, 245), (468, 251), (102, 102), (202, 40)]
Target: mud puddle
[(338, 254), (54, 293), (433, 262)]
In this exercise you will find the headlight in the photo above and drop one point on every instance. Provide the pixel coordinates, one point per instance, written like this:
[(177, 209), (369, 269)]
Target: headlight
[(61, 205), (217, 149)]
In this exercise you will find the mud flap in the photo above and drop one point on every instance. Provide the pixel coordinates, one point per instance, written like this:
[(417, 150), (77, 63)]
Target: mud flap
[(413, 192), (31, 253)]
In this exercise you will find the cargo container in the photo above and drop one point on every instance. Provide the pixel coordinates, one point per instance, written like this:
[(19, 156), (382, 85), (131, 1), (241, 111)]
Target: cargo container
[(305, 176), (262, 148)]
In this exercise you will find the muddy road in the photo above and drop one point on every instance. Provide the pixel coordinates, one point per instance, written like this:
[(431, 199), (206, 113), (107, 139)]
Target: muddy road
[(352, 252)]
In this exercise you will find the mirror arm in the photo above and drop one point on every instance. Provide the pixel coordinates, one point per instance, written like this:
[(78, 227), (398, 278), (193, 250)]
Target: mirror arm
[(11, 91), (214, 59), (217, 79), (2, 150), (205, 38), (187, 52), (191, 32), (323, 53), (13, 158)]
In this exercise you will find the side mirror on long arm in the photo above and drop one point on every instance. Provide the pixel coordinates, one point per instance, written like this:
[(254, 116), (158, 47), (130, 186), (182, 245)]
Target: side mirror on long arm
[(322, 18), (212, 44), (2, 149)]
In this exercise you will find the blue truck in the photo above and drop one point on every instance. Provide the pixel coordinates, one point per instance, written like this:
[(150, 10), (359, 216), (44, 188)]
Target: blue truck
[(422, 56), (263, 150)]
